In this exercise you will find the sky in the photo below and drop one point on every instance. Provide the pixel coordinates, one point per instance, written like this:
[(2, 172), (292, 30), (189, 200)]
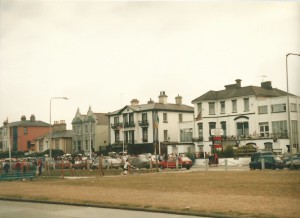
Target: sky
[(103, 54)]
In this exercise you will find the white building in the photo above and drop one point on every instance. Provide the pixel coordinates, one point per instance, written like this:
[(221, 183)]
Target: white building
[(140, 128), (248, 114)]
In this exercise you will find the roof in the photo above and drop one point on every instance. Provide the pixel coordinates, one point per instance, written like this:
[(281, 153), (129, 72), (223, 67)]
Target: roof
[(57, 134), (239, 92), (157, 107), (28, 123), (102, 119)]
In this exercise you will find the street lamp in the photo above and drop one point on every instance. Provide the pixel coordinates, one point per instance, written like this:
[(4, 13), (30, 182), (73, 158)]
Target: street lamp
[(65, 98), (288, 105)]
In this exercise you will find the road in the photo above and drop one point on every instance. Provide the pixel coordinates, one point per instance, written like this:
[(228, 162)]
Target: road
[(13, 209)]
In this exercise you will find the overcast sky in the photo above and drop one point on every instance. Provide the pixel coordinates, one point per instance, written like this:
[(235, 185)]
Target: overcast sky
[(104, 54)]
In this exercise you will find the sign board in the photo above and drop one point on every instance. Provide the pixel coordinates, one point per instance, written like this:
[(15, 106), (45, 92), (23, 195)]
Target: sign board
[(216, 131)]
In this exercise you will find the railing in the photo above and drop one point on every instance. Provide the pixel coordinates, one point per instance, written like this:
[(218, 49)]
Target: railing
[(129, 124), (116, 126), (144, 123)]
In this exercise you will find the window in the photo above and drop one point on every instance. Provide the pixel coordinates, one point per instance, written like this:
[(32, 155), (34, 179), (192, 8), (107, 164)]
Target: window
[(74, 129), (263, 109), (86, 145), (264, 129), (116, 120), (186, 135), (234, 106), (211, 106), (79, 145), (212, 125), (279, 128), (165, 117), (222, 103), (223, 126), (56, 143), (131, 137), (200, 131), (199, 107), (166, 135), (242, 128), (117, 136), (86, 128), (180, 118), (144, 117), (293, 107), (246, 104), (25, 130), (268, 146), (295, 133), (275, 108), (41, 147), (145, 135)]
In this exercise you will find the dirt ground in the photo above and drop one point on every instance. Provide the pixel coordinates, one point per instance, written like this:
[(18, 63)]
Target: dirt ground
[(247, 193)]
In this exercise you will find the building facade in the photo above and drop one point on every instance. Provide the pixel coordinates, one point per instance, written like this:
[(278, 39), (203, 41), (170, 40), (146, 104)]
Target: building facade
[(90, 132), (61, 138), (248, 115), (20, 135), (155, 127)]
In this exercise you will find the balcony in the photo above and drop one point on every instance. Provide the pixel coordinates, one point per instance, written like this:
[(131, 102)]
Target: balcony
[(144, 123), (116, 126), (129, 124)]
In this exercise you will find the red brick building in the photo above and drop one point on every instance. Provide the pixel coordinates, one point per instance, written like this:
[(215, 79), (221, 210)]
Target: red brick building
[(22, 133)]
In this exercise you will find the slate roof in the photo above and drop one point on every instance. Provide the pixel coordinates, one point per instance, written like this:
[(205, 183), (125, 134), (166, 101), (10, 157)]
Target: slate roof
[(239, 92), (155, 106), (28, 123)]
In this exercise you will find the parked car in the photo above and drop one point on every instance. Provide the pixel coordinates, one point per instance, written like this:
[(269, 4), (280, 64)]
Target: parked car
[(143, 161), (80, 164), (271, 162), (65, 163), (256, 155), (296, 161), (107, 162), (183, 162)]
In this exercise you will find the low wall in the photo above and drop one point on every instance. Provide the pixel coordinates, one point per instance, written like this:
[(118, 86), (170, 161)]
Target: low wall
[(230, 161)]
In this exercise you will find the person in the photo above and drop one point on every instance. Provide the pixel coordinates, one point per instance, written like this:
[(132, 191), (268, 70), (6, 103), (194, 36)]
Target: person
[(216, 159), (6, 167), (18, 166), (40, 165), (126, 167)]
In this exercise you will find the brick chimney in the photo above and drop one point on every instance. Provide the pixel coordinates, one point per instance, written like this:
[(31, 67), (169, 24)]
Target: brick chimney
[(23, 118), (59, 126), (266, 85), (32, 118)]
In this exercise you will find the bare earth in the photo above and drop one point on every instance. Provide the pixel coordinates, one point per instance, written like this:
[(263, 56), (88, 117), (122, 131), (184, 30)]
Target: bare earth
[(247, 193)]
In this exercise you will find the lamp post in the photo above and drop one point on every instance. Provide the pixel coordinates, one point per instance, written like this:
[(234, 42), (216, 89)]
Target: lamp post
[(50, 135), (288, 105)]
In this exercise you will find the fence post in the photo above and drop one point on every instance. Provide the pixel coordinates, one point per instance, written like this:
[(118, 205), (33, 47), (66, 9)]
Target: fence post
[(262, 163), (206, 164)]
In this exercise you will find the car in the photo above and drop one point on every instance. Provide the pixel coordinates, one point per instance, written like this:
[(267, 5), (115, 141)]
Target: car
[(80, 164), (62, 164), (258, 154), (107, 162), (271, 162), (183, 162), (296, 161)]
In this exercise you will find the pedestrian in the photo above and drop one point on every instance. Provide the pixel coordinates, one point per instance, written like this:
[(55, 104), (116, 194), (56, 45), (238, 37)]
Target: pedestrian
[(40, 165), (18, 166), (126, 167), (6, 167), (216, 159)]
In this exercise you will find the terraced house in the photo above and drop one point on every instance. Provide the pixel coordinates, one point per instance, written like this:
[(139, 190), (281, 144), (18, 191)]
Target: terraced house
[(155, 127), (255, 115)]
